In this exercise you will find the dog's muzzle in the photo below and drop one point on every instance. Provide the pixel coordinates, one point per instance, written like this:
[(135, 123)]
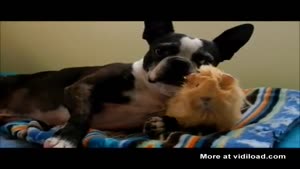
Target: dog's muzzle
[(171, 71)]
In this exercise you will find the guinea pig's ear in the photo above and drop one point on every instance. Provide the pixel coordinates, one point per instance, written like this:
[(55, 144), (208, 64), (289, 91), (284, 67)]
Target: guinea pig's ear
[(191, 80), (190, 77), (226, 81)]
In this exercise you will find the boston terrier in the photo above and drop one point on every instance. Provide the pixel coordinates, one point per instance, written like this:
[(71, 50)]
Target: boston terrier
[(116, 96)]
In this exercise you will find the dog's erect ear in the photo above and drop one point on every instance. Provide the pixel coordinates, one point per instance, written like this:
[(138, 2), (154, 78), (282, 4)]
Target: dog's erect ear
[(231, 40), (156, 29)]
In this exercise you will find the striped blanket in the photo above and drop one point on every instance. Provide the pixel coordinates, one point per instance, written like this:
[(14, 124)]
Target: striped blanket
[(273, 112)]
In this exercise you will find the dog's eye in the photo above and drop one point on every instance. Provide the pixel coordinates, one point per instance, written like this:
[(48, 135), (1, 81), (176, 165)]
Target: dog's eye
[(166, 50), (205, 62), (201, 59), (160, 52)]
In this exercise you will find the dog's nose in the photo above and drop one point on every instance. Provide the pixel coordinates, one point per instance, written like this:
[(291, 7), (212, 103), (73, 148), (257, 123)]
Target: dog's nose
[(179, 64)]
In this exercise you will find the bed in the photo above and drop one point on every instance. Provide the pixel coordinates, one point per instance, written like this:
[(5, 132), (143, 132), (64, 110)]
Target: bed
[(272, 121)]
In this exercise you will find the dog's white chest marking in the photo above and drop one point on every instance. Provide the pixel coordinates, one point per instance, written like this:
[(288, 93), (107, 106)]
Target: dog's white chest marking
[(189, 46)]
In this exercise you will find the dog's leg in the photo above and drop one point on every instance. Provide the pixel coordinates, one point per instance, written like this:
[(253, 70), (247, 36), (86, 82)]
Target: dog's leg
[(156, 126), (77, 100), (161, 126)]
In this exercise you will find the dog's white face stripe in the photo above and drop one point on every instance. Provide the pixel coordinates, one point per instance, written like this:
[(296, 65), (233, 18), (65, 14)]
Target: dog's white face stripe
[(189, 46)]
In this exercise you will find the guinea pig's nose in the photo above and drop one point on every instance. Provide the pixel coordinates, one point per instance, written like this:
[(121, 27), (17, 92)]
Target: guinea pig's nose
[(205, 99)]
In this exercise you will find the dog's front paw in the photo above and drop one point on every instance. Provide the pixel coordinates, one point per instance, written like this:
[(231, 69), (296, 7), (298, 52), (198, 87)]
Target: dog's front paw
[(154, 126), (57, 142)]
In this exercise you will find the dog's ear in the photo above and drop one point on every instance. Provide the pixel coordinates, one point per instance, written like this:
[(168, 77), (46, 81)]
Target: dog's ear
[(231, 40), (156, 29)]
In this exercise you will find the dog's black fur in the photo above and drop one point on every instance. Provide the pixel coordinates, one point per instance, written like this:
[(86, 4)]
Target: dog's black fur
[(117, 96)]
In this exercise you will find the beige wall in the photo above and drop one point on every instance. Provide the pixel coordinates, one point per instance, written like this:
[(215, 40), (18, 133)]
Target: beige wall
[(271, 58)]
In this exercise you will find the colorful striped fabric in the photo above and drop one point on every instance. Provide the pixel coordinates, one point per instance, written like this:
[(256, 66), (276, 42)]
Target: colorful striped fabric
[(273, 112)]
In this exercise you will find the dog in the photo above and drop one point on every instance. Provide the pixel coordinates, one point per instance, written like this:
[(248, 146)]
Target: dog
[(116, 96)]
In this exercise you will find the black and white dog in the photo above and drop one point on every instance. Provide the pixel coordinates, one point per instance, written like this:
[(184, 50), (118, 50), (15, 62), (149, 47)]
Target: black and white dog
[(118, 96)]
